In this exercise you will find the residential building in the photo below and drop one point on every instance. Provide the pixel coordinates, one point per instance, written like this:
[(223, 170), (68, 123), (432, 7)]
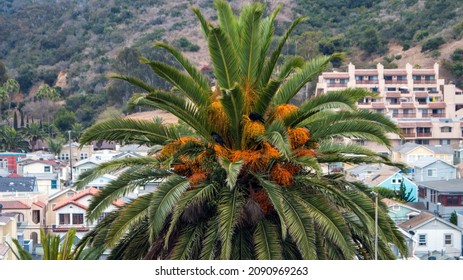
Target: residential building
[(8, 162), (362, 171), (442, 197), (411, 153), (46, 172), (70, 213), (54, 200), (431, 233), (400, 212), (392, 178), (432, 169), (8, 232), (427, 110)]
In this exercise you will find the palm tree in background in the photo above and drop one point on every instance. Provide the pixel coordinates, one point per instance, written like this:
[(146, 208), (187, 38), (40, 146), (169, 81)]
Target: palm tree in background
[(248, 183), (34, 133), (12, 140)]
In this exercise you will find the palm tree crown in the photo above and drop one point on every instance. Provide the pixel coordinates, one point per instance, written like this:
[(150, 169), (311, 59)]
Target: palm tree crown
[(247, 184)]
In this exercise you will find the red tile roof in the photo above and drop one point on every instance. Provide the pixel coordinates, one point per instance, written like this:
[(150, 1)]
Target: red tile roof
[(90, 191), (67, 202), (39, 204), (73, 199), (14, 204)]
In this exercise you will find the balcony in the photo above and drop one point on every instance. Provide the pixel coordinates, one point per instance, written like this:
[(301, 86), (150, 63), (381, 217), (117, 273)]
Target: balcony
[(404, 115), (341, 85), (424, 134), (422, 82), (437, 104), (409, 134), (430, 115)]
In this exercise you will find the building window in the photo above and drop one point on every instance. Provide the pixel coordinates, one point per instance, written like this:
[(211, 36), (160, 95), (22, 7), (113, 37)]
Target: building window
[(83, 155), (54, 185), (422, 240), (432, 172), (397, 180), (65, 156), (447, 240), (47, 168), (102, 216), (446, 129), (444, 141), (422, 192), (64, 219), (36, 216), (77, 219)]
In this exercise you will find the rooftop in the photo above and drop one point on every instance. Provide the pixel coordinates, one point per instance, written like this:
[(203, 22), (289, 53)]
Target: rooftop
[(22, 184), (453, 185)]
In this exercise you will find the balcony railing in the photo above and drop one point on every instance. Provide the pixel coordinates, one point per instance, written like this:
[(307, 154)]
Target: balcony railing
[(424, 134), (395, 82), (409, 134), (337, 85), (424, 82), (430, 115), (367, 82), (402, 115)]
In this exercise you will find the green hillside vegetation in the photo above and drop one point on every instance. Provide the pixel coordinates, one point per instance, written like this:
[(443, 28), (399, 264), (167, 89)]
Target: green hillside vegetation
[(81, 41)]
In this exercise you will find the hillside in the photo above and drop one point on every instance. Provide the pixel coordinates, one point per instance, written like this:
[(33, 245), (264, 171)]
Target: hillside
[(74, 44)]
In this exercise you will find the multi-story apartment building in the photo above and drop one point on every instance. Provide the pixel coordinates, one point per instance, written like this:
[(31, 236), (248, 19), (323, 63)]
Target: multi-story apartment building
[(427, 110)]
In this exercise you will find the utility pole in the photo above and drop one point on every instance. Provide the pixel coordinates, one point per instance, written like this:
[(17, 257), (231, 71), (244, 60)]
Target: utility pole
[(376, 225), (70, 153)]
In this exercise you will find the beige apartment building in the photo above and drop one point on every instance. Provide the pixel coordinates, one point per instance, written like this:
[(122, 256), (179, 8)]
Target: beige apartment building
[(427, 110)]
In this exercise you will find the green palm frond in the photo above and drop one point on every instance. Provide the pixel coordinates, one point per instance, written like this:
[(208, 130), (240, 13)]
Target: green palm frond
[(194, 73), (209, 250), (177, 106), (277, 135), (272, 62), (205, 26), (275, 194), (228, 210), (265, 97), (267, 241), (112, 166), (232, 169), (131, 179), (133, 81), (330, 222), (129, 215), (300, 226), (227, 21), (233, 104), (224, 58), (163, 201), (250, 42), (290, 65), (242, 248), (184, 83), (19, 252), (267, 29), (128, 131), (189, 242)]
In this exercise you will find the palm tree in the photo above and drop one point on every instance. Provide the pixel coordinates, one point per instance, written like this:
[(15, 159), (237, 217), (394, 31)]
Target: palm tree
[(12, 140), (33, 133), (248, 184)]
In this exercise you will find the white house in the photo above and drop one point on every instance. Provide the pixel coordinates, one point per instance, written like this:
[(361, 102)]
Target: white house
[(46, 172), (70, 213), (431, 233)]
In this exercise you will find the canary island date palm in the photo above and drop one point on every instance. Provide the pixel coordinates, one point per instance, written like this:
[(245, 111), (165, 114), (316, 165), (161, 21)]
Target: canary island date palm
[(247, 182)]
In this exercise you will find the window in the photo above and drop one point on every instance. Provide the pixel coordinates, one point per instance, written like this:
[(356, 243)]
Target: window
[(397, 180), (432, 172), (47, 168), (77, 219), (83, 155), (444, 141), (36, 216), (65, 156), (446, 129), (447, 240), (3, 163), (102, 216), (64, 219), (54, 185), (422, 240)]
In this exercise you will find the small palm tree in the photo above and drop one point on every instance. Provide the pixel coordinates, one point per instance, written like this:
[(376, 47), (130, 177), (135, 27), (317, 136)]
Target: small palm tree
[(33, 133), (12, 140), (248, 183)]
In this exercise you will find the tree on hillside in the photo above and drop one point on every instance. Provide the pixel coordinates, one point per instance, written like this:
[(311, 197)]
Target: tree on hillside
[(33, 133), (12, 140), (248, 184), (48, 94)]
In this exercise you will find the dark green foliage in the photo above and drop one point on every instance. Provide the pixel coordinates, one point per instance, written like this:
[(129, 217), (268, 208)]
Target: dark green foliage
[(3, 75), (64, 119), (455, 66), (185, 45), (454, 218), (432, 44), (15, 120)]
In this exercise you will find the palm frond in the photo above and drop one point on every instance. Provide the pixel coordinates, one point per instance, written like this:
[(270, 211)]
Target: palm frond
[(242, 245), (133, 81), (228, 210), (270, 64), (276, 134), (205, 26), (233, 103), (265, 97), (196, 75), (290, 65), (184, 83), (224, 58), (127, 131), (189, 242), (227, 21), (267, 241), (250, 41), (209, 250), (267, 29), (232, 169)]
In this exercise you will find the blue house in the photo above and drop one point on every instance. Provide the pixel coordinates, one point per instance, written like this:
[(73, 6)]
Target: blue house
[(391, 178)]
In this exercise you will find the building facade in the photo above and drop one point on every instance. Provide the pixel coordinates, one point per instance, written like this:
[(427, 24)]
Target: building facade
[(426, 109)]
